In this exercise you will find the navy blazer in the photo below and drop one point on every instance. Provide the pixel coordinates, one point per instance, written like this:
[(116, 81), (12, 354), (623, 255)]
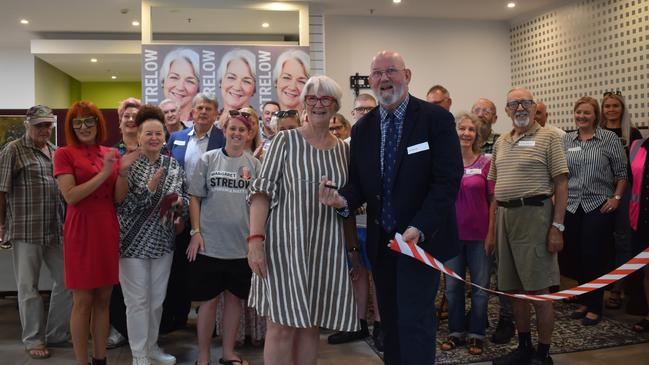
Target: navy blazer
[(428, 172), (177, 143)]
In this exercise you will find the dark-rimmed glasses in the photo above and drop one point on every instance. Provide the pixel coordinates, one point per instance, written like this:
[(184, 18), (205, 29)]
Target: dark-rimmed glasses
[(285, 113), (312, 100), (389, 72), (526, 104), (363, 109), (236, 113), (89, 122)]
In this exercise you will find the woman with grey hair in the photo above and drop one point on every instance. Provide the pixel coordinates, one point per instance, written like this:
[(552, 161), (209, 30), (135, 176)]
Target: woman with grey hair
[(180, 79), (237, 79), (291, 72), (296, 249)]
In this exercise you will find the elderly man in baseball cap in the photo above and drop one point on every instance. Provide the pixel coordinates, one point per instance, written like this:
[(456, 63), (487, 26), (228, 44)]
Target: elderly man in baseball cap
[(31, 217)]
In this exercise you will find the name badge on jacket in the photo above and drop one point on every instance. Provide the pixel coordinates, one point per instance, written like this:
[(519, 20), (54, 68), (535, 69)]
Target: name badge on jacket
[(472, 171), (179, 143), (574, 149), (418, 148)]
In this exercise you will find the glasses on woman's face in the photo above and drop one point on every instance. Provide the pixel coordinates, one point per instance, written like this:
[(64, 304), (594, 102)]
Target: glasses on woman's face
[(236, 113), (285, 113), (312, 100), (89, 122)]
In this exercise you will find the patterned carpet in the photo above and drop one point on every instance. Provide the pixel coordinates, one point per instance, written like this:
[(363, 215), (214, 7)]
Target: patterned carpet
[(569, 336)]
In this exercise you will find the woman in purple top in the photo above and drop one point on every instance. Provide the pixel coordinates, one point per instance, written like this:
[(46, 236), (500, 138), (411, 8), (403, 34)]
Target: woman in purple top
[(472, 210)]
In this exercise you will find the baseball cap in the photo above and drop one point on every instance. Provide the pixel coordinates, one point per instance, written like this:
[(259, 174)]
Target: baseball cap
[(40, 114)]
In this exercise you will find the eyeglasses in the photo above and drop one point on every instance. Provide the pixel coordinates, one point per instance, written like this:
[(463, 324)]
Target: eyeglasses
[(613, 93), (526, 104), (363, 109), (236, 113), (89, 122), (286, 113), (44, 125), (389, 72), (312, 100), (477, 111), (337, 128)]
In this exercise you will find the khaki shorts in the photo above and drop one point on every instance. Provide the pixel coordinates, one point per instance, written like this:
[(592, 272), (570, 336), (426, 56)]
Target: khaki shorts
[(524, 262)]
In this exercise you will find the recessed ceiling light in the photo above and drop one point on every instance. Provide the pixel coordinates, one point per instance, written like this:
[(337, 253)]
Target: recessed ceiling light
[(114, 77), (135, 23), (396, 1), (265, 25), (93, 60), (24, 21), (511, 5)]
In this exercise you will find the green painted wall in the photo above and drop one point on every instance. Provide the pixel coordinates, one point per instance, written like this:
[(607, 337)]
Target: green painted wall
[(109, 94), (54, 87)]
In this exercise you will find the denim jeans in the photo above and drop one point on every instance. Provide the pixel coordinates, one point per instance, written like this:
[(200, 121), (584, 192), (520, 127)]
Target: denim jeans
[(473, 256)]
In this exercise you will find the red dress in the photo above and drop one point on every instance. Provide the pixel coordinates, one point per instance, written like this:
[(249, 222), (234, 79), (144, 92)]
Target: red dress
[(91, 230)]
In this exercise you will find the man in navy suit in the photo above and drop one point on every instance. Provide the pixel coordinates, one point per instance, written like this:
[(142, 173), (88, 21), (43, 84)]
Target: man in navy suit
[(187, 146), (406, 164)]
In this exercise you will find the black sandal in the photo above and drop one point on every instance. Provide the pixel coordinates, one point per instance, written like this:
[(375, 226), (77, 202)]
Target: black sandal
[(451, 343), (232, 362), (642, 326)]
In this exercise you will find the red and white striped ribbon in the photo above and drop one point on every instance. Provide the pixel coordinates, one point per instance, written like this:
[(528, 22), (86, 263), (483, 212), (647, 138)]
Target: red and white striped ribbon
[(416, 252)]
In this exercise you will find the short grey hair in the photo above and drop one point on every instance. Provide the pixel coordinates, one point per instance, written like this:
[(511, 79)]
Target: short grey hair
[(323, 85), (243, 54), (207, 96), (303, 58), (188, 54), (168, 101)]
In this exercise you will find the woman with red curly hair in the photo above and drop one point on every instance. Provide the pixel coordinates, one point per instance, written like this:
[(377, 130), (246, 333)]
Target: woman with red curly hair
[(91, 178)]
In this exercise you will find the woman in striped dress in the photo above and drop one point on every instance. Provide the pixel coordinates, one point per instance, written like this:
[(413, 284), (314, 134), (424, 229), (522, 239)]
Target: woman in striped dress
[(297, 247)]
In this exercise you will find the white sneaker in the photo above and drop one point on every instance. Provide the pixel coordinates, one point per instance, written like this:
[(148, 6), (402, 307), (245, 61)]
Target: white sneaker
[(115, 339), (141, 361), (157, 356)]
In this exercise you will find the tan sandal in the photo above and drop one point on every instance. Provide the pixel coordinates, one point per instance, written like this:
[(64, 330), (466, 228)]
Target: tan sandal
[(451, 343)]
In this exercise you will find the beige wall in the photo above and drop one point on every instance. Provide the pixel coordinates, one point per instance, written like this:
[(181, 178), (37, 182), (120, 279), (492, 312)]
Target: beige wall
[(470, 58)]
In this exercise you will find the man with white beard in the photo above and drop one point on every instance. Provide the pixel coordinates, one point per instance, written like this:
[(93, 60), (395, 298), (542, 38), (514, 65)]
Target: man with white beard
[(529, 166)]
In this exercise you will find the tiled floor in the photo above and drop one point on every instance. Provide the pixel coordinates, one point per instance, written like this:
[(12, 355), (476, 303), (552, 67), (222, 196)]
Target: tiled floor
[(183, 345)]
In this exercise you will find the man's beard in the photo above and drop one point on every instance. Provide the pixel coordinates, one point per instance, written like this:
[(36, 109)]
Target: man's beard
[(521, 119), (391, 96)]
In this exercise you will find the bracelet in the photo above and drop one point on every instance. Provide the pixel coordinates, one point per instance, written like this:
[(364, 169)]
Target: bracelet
[(353, 249), (253, 236)]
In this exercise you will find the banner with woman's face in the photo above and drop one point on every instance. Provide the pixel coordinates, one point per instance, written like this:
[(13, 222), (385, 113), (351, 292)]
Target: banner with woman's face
[(239, 75)]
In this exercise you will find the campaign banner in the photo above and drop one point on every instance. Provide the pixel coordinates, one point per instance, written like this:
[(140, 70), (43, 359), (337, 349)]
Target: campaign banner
[(238, 75)]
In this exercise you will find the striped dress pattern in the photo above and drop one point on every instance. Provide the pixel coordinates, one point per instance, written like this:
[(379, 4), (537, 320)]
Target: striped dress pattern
[(308, 282)]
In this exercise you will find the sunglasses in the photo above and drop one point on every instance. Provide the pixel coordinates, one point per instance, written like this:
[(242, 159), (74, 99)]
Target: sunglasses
[(285, 113), (236, 113), (89, 122), (526, 104), (613, 93), (312, 100)]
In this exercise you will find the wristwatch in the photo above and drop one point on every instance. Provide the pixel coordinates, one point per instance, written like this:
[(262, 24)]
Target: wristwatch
[(194, 231), (559, 226), (617, 197)]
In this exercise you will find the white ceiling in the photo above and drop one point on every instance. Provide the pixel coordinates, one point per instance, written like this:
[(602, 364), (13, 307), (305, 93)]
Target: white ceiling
[(104, 19)]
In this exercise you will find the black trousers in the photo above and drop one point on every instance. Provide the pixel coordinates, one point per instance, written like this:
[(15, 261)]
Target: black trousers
[(586, 234), (177, 301), (406, 291)]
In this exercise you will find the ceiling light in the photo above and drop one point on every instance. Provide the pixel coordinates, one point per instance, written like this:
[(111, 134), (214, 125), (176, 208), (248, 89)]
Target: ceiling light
[(396, 1), (265, 25), (93, 60), (511, 5), (135, 23), (114, 77), (24, 21)]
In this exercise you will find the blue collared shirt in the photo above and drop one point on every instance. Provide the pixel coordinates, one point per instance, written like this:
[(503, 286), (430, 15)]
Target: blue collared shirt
[(196, 147), (399, 116)]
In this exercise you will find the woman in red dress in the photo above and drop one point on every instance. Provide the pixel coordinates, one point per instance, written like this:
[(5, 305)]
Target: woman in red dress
[(91, 178)]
